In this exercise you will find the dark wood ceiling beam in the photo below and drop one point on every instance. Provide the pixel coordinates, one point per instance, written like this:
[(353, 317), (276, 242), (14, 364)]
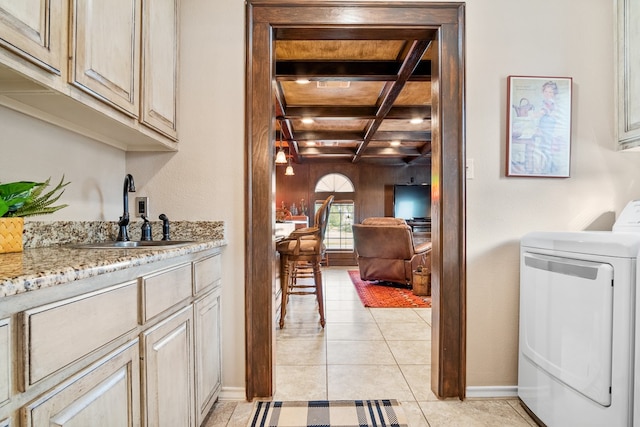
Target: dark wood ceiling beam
[(357, 113), (331, 112), (349, 70), (423, 111), (425, 151), (412, 59), (347, 136), (312, 152), (354, 33), (402, 136), (285, 125), (329, 136)]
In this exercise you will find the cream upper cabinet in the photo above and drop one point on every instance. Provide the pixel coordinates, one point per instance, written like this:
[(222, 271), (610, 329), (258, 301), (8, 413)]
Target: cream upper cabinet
[(105, 69), (105, 42), (160, 66), (628, 63), (34, 30)]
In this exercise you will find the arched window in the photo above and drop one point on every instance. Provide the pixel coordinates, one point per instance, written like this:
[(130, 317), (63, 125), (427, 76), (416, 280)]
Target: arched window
[(339, 235), (334, 183)]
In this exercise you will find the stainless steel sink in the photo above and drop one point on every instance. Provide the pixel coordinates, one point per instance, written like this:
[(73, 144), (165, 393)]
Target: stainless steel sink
[(144, 244)]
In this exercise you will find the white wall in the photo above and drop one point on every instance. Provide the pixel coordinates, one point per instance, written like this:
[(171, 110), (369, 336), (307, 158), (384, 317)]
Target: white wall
[(541, 38), (205, 179)]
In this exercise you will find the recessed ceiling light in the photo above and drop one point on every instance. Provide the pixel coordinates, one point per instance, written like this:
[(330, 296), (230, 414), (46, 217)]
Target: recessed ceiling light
[(307, 120), (416, 121), (303, 81), (333, 84), (395, 143)]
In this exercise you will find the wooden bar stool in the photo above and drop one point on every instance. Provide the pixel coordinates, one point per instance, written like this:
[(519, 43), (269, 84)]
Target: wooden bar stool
[(301, 255)]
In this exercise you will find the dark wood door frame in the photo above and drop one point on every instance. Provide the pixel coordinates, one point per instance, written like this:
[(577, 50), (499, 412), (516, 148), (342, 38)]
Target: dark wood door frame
[(448, 357)]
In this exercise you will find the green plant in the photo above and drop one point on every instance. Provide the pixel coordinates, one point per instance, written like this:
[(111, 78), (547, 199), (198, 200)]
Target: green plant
[(27, 198)]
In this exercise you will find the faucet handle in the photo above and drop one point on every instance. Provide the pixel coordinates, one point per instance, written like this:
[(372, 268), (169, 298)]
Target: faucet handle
[(146, 229), (165, 227)]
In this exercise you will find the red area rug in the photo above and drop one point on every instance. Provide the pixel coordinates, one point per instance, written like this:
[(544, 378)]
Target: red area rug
[(386, 295)]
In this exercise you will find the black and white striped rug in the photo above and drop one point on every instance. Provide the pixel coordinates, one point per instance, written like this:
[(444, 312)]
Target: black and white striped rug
[(328, 413)]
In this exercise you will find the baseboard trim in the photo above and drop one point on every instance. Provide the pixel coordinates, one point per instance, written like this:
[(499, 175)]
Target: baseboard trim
[(232, 394), (491, 391)]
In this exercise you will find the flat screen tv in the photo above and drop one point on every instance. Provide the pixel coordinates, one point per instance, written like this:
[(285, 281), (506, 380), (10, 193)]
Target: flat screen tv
[(412, 202)]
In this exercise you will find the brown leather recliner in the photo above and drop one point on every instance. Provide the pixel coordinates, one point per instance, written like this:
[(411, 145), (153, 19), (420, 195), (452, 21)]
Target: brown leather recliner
[(386, 250)]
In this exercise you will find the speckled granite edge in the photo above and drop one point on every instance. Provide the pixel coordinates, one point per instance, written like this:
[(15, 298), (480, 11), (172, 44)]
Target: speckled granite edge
[(47, 260), (45, 267), (40, 234)]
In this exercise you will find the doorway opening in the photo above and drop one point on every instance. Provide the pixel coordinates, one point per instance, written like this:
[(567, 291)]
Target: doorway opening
[(448, 221)]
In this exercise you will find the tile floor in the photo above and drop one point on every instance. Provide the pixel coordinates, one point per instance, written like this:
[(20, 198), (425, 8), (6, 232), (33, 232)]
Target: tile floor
[(365, 353)]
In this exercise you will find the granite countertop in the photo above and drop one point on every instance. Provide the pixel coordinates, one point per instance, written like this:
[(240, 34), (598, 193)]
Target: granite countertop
[(41, 267)]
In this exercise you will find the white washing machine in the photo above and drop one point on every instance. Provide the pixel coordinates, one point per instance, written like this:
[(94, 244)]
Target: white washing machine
[(577, 348)]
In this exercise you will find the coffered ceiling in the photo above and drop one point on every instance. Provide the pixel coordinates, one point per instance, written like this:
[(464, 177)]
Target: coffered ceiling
[(354, 95)]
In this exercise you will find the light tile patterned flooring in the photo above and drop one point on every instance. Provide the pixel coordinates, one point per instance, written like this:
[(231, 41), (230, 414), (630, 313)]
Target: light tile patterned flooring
[(363, 353)]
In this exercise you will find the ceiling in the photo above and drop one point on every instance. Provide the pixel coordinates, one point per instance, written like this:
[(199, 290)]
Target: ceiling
[(365, 86)]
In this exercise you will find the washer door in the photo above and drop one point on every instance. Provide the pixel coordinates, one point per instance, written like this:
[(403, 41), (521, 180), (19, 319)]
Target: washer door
[(567, 321)]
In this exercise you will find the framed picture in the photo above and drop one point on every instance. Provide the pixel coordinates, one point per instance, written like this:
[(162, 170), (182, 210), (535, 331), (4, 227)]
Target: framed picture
[(538, 126)]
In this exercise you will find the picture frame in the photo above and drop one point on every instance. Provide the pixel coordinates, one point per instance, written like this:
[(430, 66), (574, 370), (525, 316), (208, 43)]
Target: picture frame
[(538, 126)]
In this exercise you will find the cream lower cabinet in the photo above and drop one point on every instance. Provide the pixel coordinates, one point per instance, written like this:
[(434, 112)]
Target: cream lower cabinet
[(5, 361), (104, 395), (207, 352), (168, 372), (137, 347)]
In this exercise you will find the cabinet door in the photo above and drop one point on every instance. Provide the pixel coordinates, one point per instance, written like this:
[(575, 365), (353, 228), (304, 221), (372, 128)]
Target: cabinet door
[(107, 394), (628, 73), (5, 361), (34, 30), (106, 51), (160, 66), (207, 352), (168, 372)]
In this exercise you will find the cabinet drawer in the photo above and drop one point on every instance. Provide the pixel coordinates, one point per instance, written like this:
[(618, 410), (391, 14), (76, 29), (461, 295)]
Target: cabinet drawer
[(60, 333), (207, 272), (5, 361), (164, 290)]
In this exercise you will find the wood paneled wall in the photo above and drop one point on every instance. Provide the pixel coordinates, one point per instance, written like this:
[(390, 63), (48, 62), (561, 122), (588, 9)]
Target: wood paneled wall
[(373, 185)]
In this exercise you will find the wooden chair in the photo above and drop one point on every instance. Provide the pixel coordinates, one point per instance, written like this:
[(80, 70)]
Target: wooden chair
[(301, 255)]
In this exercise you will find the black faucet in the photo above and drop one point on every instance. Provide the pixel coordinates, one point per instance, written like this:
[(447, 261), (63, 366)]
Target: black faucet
[(165, 227), (129, 186)]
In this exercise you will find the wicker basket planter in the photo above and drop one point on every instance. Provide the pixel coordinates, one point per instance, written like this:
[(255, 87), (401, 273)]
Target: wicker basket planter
[(422, 282), (11, 234)]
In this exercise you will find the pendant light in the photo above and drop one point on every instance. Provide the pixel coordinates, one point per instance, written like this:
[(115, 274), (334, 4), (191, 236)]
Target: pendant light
[(281, 158), (289, 169)]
